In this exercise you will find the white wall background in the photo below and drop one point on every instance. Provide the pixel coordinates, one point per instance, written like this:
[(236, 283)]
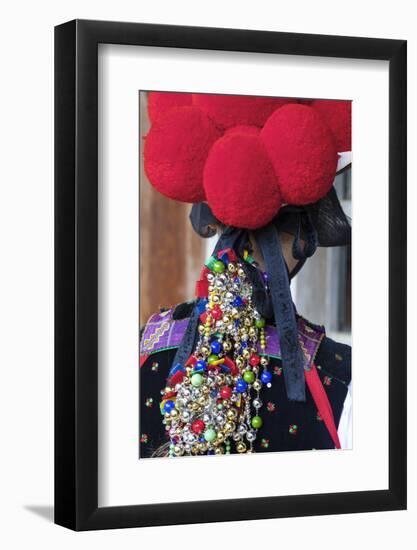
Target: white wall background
[(26, 284)]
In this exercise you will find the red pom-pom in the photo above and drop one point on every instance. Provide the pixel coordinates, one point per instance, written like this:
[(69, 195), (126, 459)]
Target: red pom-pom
[(160, 103), (243, 129), (235, 110), (240, 183), (338, 116), (176, 149), (303, 152)]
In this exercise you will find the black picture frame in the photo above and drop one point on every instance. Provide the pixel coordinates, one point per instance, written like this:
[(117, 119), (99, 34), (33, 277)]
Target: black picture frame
[(76, 272)]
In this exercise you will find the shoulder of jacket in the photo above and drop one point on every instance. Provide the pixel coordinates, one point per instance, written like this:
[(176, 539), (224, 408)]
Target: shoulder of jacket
[(164, 330)]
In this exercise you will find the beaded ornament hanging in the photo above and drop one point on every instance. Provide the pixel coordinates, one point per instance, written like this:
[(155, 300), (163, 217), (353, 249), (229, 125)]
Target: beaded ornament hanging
[(211, 403)]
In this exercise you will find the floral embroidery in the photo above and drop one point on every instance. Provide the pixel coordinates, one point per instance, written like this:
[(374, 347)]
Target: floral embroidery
[(278, 371), (293, 429), (264, 443), (327, 380), (149, 402), (144, 438), (155, 366), (270, 406)]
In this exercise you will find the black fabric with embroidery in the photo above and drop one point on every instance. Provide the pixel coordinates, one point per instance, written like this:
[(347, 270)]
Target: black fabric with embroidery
[(288, 425)]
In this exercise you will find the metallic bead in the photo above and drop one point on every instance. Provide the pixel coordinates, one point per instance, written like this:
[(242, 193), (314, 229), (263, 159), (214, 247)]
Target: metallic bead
[(246, 353), (242, 429), (231, 268), (257, 385), (239, 362), (251, 436), (227, 346), (219, 451), (229, 426), (220, 419), (257, 403), (241, 447), (231, 414), (220, 437), (264, 361)]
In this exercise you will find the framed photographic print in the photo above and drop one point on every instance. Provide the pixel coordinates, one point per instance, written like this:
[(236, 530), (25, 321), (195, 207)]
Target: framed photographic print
[(230, 275)]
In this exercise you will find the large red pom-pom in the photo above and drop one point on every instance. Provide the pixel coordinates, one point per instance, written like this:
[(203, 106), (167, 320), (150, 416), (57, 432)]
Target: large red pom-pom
[(241, 187), (338, 116), (235, 110), (176, 149), (303, 152), (254, 130), (160, 103)]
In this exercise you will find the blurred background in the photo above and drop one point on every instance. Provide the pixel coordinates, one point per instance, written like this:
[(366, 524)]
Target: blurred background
[(171, 256)]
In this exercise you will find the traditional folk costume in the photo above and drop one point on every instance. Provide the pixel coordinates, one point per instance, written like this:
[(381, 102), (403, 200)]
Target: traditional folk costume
[(237, 370)]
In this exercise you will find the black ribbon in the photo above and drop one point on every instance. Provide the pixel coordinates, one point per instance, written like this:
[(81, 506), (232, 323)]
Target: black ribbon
[(284, 312)]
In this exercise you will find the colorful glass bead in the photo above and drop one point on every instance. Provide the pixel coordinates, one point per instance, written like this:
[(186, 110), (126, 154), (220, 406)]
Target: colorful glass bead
[(196, 379), (210, 435), (260, 323), (257, 422), (216, 347), (241, 385), (218, 266), (212, 359), (254, 360), (216, 313), (266, 377), (249, 376), (169, 406), (293, 429), (226, 392), (198, 426), (200, 366), (237, 302)]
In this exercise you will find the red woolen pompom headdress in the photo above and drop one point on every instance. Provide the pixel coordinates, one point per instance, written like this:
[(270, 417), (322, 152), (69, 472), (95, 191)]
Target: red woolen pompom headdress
[(245, 156)]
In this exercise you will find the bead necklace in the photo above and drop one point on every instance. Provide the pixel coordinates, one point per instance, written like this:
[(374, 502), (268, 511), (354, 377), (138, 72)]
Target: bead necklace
[(211, 403)]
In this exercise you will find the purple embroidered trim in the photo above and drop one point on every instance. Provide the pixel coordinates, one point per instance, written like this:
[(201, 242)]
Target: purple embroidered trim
[(162, 332)]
